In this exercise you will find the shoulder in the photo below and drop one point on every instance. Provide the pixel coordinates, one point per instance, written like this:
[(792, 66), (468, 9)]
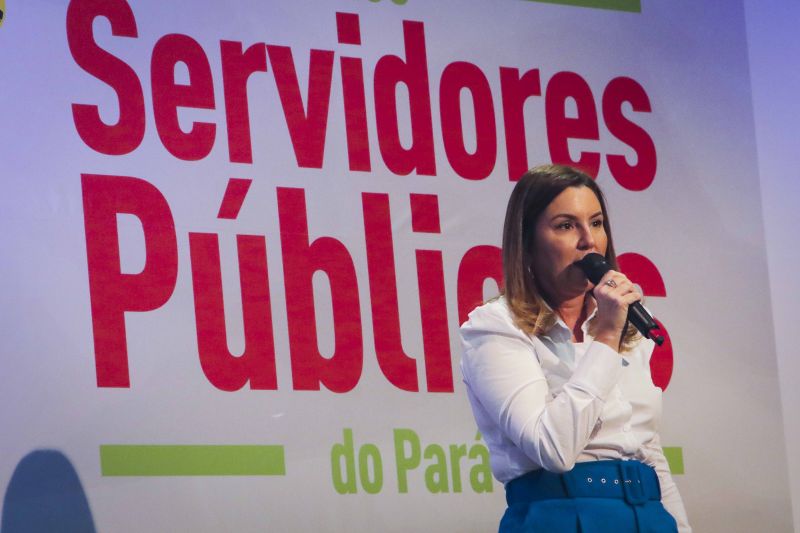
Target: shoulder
[(494, 313), (642, 351), (492, 345), (491, 318)]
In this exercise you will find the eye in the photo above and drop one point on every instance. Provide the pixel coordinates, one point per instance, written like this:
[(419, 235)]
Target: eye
[(564, 226), (597, 223)]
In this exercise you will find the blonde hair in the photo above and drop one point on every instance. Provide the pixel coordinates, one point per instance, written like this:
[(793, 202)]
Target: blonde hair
[(533, 193)]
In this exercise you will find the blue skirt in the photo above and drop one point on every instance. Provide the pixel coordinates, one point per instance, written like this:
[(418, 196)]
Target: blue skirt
[(594, 497)]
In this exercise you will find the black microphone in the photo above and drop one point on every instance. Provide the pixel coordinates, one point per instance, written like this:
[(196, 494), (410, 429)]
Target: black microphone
[(595, 267)]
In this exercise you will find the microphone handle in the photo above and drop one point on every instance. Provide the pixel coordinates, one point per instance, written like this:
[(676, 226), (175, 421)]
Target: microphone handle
[(644, 322)]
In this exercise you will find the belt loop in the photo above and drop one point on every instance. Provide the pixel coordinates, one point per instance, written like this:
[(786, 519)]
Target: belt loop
[(632, 485)]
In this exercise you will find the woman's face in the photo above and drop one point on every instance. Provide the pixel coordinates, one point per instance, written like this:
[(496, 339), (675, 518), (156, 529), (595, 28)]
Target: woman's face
[(568, 229)]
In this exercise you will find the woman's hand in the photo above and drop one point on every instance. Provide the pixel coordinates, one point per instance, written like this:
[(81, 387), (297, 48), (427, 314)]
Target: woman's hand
[(613, 294)]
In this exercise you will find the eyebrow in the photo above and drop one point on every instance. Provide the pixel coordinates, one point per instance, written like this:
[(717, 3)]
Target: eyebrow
[(573, 217)]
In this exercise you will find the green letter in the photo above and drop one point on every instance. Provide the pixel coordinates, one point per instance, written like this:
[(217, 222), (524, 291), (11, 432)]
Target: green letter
[(344, 452), (456, 453), (480, 475), (405, 462), (366, 451), (436, 474)]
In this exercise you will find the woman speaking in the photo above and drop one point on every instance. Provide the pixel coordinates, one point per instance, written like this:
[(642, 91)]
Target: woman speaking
[(559, 384)]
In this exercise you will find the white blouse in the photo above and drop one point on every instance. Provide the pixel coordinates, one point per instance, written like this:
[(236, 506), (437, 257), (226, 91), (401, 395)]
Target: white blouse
[(546, 402)]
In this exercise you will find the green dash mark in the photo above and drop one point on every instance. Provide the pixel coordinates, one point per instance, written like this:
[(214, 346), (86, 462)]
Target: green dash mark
[(191, 460), (674, 457), (633, 6)]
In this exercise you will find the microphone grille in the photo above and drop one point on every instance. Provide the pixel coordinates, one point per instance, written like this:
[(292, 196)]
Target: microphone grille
[(594, 266)]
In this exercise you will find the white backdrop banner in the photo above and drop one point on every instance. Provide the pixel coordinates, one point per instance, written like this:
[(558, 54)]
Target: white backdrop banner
[(239, 237)]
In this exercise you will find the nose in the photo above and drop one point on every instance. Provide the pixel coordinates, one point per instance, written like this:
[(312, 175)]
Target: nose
[(586, 239)]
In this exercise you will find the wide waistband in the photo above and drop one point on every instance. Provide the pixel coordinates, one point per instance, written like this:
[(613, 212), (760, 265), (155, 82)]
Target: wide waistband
[(631, 480)]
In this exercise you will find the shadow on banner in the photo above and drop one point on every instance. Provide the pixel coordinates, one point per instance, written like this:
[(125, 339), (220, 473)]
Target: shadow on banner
[(45, 494)]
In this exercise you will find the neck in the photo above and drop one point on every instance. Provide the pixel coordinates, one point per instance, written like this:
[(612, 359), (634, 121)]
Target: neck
[(574, 312)]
